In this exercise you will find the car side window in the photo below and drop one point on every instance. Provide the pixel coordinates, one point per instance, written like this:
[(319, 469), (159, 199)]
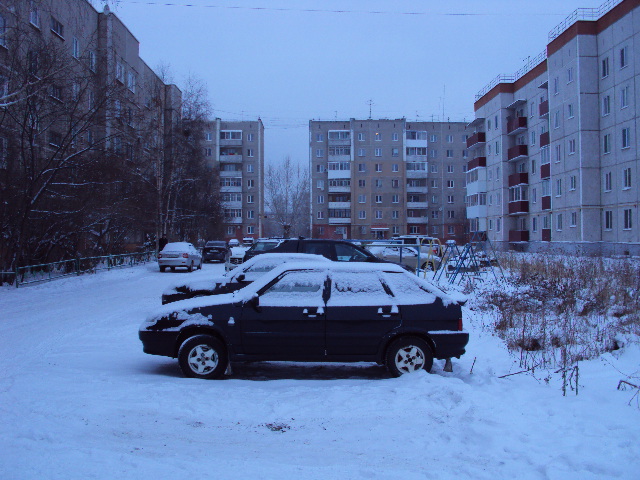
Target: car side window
[(406, 289), (295, 288), (319, 248), (357, 288), (348, 253)]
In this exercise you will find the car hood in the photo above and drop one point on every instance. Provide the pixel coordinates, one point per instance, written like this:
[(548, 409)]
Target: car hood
[(194, 285)]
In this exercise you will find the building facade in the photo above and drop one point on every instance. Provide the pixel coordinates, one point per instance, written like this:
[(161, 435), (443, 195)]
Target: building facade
[(380, 178), (236, 150), (554, 148)]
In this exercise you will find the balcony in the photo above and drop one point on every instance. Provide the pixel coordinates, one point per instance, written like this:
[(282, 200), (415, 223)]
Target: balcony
[(339, 141), (417, 220), (476, 140), (516, 125), (518, 152), (418, 205), (230, 142), (339, 174), (417, 189), (339, 204), (543, 108), (546, 234), (233, 220), (339, 189), (231, 158), (545, 171), (477, 211), (521, 206), (518, 235), (546, 202), (231, 173), (339, 221), (477, 162), (518, 179), (544, 139), (417, 174)]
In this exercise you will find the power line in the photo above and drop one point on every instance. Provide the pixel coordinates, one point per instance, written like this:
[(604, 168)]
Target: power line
[(341, 11)]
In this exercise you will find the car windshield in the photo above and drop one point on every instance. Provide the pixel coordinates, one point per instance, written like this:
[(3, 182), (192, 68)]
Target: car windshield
[(264, 246), (215, 244)]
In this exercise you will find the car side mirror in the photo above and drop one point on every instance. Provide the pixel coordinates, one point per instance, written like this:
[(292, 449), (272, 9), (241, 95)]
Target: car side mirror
[(240, 277), (254, 302)]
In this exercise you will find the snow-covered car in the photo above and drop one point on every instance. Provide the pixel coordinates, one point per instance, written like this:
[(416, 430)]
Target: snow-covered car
[(179, 254), (405, 255), (334, 312), (261, 246), (235, 279), (235, 257)]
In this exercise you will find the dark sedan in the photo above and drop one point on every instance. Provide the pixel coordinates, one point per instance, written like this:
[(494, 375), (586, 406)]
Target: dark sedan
[(348, 312), (215, 251)]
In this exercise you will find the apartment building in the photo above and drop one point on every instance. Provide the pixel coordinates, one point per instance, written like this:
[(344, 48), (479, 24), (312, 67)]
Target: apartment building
[(554, 147), (377, 178), (236, 150)]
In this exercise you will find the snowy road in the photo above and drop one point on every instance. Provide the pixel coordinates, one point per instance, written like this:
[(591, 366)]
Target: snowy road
[(80, 400)]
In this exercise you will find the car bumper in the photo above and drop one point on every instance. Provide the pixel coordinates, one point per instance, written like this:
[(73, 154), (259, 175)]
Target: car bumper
[(159, 343), (449, 344), (210, 257), (175, 262)]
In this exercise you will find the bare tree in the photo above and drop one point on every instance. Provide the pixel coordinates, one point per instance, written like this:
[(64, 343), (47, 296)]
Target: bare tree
[(287, 197)]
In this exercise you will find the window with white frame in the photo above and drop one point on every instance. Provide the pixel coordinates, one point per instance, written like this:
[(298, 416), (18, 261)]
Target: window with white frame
[(626, 137), (378, 214), (361, 152), (559, 222), (556, 86), (319, 152), (249, 137), (57, 27), (574, 219), (319, 137), (250, 199), (395, 183), (450, 183), (250, 167), (624, 56), (250, 152), (377, 137), (362, 199), (320, 199), (569, 74), (378, 167), (434, 214), (362, 167), (395, 167), (378, 198), (559, 187), (604, 67), (320, 215), (572, 182), (570, 110), (449, 153), (608, 220), (75, 48), (606, 105), (362, 214), (361, 137), (434, 138), (394, 137), (450, 199), (395, 152), (628, 218), (449, 168), (395, 198), (624, 97), (608, 181), (434, 168), (626, 178), (250, 229), (606, 143), (251, 183), (395, 214), (534, 224), (339, 135), (556, 119), (378, 152), (231, 230), (572, 146), (558, 153), (251, 214)]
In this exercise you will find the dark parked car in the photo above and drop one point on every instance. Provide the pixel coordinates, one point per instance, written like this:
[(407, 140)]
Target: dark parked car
[(261, 246), (336, 250), (215, 251), (239, 277), (339, 312)]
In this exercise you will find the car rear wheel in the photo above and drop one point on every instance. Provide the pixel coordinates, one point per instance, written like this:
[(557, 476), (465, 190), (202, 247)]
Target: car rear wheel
[(190, 267), (162, 269), (408, 355), (202, 356), (428, 266)]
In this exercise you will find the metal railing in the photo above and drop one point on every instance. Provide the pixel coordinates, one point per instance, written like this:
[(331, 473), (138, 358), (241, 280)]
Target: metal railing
[(583, 14), (47, 272)]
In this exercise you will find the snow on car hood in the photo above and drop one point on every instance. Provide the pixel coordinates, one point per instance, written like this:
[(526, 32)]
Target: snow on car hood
[(198, 284)]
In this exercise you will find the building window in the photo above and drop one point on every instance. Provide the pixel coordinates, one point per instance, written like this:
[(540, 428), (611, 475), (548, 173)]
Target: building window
[(92, 61), (320, 168), (319, 152), (628, 218), (395, 183), (231, 230), (395, 214), (624, 97), (395, 198), (395, 167), (532, 136), (362, 183), (624, 57), (57, 27), (394, 137), (569, 74), (378, 198), (378, 183), (574, 219), (361, 152), (34, 15), (556, 119), (361, 137), (559, 187), (450, 183), (450, 198), (556, 86), (559, 222), (378, 214), (320, 215), (626, 137), (378, 152), (378, 167), (572, 182), (434, 214), (378, 137), (250, 199), (395, 152), (449, 168), (534, 224), (249, 137), (572, 146), (604, 70), (626, 178), (250, 214), (319, 137), (606, 143), (362, 214), (606, 105), (250, 153), (251, 183), (361, 167), (449, 153), (75, 48), (608, 178), (608, 220), (320, 199), (434, 138), (250, 229), (434, 183), (570, 110)]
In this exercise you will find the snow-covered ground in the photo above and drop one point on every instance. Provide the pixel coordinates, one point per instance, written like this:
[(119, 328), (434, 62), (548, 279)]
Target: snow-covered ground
[(80, 400)]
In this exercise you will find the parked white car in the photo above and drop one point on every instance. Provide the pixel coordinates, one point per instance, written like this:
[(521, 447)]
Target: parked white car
[(179, 254)]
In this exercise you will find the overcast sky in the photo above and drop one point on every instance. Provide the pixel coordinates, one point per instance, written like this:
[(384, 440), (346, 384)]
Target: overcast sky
[(277, 60)]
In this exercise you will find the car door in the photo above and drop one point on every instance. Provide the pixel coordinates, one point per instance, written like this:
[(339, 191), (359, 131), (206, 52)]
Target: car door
[(288, 322), (360, 312)]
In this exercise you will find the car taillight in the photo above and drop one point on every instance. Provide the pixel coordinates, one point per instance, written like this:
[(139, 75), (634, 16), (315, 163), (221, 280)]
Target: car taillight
[(185, 255), (159, 255), (460, 324)]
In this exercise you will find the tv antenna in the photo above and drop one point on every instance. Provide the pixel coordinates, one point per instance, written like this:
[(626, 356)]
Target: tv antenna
[(370, 103)]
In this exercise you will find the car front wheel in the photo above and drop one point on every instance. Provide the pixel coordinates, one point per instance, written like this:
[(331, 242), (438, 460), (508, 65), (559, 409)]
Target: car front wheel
[(408, 355), (202, 356)]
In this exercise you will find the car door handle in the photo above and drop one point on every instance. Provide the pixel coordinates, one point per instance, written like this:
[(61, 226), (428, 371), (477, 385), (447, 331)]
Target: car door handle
[(386, 313), (311, 314)]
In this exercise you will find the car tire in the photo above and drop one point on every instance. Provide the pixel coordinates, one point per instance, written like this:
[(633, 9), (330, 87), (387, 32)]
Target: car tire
[(428, 266), (173, 269), (407, 355), (202, 356), (162, 269), (190, 268)]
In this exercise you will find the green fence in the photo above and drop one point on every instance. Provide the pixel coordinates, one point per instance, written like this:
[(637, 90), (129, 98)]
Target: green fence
[(78, 266)]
